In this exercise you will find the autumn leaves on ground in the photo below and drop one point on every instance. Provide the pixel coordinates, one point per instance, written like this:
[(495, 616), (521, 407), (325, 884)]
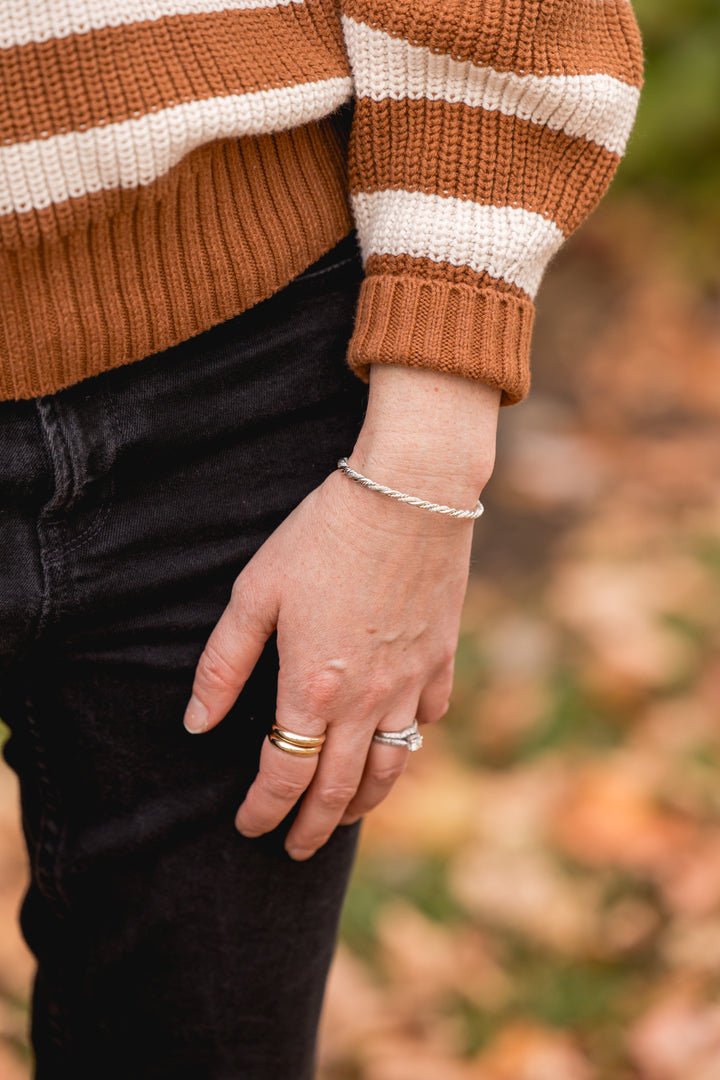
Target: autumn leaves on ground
[(539, 899)]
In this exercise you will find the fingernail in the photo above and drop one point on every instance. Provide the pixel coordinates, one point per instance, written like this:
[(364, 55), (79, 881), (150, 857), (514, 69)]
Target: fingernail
[(299, 854), (196, 716)]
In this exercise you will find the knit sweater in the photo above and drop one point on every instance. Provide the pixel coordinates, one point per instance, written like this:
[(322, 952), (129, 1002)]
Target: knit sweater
[(166, 164)]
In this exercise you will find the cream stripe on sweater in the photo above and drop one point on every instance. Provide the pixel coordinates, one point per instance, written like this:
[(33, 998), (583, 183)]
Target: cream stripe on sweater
[(595, 107), (132, 153), (34, 21), (165, 164), (505, 242)]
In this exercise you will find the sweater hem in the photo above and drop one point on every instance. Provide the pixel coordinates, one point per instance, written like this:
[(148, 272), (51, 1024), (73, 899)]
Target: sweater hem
[(240, 219)]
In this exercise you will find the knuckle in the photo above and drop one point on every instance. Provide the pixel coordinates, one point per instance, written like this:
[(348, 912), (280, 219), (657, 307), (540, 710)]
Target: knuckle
[(243, 595), (434, 711), (438, 713), (215, 670), (388, 774), (379, 689), (322, 688), (414, 672), (445, 656), (312, 840), (285, 788), (336, 797), (238, 591)]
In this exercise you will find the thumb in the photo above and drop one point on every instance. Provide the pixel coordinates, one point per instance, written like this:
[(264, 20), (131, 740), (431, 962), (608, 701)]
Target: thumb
[(231, 653)]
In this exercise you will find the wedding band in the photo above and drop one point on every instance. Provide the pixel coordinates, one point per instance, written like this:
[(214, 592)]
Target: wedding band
[(409, 737), (291, 748), (299, 740), (291, 743)]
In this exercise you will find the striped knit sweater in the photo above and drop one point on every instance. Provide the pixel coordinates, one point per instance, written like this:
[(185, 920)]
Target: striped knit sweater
[(165, 164)]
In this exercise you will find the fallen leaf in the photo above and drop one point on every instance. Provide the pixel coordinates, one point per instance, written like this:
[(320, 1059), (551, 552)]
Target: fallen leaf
[(525, 1051), (407, 1059), (426, 960), (527, 892), (678, 1039), (610, 817)]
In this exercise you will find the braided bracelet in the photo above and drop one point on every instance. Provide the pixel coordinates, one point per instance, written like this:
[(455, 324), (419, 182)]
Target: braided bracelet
[(410, 500)]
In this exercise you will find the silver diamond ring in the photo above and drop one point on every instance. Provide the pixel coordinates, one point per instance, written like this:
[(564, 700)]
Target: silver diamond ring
[(409, 737)]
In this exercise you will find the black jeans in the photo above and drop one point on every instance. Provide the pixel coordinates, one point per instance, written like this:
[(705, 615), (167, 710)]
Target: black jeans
[(168, 945)]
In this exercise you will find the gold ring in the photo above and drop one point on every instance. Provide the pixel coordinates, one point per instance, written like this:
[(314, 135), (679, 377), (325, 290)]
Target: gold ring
[(299, 740), (291, 748), (291, 743)]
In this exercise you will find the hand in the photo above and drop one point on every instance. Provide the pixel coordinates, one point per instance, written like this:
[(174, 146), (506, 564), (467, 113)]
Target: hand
[(365, 594)]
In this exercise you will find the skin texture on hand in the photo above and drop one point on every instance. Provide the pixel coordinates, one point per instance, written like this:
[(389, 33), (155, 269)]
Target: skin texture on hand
[(365, 594)]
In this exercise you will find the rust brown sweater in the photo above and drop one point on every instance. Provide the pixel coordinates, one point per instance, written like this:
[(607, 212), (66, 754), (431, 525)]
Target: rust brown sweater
[(165, 164)]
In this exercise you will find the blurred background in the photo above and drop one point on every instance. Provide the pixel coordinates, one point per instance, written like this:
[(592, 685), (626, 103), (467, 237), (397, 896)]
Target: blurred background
[(539, 898)]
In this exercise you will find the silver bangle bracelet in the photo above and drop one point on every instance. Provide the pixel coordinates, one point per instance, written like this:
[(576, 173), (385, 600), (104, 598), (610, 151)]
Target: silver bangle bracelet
[(409, 500)]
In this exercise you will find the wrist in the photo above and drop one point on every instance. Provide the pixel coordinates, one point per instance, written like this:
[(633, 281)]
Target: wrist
[(429, 434)]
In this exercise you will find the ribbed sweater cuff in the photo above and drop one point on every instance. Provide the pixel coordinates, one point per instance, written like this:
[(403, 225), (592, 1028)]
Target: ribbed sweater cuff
[(446, 326)]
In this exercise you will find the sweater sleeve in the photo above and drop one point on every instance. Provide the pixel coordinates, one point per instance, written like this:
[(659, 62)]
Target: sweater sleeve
[(484, 132)]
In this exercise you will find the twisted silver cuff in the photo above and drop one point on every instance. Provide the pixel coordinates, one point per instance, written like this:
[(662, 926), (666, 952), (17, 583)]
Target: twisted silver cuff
[(410, 500)]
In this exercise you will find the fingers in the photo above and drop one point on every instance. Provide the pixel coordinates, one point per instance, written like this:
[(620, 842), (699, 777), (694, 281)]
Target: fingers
[(350, 770), (435, 698), (332, 777), (384, 765), (343, 790), (336, 781), (281, 780), (351, 775), (231, 652)]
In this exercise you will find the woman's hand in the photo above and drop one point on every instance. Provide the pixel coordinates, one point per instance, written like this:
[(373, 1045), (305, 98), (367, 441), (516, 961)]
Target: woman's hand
[(365, 594)]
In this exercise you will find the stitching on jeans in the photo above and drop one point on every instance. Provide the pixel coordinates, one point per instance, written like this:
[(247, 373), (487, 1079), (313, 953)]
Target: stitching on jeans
[(49, 832), (94, 528), (61, 465), (43, 553), (48, 556)]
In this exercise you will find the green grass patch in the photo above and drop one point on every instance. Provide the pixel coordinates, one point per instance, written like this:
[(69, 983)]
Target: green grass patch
[(572, 719), (378, 880)]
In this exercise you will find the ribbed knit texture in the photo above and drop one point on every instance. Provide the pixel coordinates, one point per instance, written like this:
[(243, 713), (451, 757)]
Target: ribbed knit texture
[(165, 164)]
